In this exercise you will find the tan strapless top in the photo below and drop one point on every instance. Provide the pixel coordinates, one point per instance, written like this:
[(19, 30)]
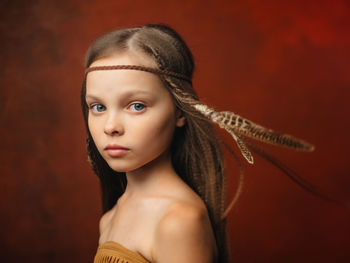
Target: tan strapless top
[(113, 252)]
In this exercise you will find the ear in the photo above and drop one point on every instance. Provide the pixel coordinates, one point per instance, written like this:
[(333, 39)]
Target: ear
[(180, 119)]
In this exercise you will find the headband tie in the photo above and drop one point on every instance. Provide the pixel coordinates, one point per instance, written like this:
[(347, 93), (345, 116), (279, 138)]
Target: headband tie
[(142, 68)]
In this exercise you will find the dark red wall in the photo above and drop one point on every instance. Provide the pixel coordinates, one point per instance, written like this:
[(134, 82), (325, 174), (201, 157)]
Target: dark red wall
[(283, 64)]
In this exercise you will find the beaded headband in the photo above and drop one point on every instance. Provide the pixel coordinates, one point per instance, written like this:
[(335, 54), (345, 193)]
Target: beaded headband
[(231, 122)]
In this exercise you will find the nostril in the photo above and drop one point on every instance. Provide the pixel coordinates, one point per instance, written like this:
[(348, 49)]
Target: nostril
[(113, 130), (113, 125)]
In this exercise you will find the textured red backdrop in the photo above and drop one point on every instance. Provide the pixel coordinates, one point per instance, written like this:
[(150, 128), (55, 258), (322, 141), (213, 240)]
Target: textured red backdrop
[(284, 64)]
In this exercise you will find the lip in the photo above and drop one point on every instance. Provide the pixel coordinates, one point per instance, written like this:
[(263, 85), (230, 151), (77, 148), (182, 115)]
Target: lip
[(115, 150)]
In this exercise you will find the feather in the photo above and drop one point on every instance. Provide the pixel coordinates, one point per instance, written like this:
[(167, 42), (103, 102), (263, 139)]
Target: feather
[(247, 128), (237, 126), (242, 146)]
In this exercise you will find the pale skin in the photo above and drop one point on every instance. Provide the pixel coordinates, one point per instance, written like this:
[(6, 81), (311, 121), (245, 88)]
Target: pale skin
[(158, 216)]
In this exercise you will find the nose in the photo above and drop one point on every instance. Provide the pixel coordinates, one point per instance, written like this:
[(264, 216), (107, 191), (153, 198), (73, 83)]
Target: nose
[(113, 126)]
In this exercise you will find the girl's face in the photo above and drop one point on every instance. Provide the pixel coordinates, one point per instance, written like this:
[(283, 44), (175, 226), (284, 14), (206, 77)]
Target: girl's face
[(131, 117)]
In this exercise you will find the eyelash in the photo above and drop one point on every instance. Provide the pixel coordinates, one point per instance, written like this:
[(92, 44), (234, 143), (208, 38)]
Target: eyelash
[(93, 107), (137, 103)]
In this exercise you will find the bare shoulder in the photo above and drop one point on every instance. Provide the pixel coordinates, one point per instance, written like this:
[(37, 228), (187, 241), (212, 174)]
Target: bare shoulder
[(184, 234), (104, 220), (181, 214)]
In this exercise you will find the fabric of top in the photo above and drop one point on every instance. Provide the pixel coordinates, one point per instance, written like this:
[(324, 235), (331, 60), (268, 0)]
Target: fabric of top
[(113, 252)]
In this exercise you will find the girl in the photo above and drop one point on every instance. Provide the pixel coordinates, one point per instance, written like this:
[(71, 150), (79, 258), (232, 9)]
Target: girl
[(152, 145)]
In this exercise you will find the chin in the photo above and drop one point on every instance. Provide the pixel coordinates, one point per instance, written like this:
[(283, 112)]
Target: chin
[(125, 165), (122, 166)]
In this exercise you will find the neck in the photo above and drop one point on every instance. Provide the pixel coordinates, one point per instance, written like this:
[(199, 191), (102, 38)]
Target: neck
[(151, 177)]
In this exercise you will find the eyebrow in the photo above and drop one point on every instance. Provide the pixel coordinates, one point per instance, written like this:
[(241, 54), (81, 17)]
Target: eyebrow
[(126, 94), (88, 96)]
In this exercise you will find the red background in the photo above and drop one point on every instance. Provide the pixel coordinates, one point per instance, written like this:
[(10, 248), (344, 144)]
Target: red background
[(283, 64)]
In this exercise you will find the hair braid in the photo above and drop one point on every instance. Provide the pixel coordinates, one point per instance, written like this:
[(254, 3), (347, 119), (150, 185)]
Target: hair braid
[(214, 185)]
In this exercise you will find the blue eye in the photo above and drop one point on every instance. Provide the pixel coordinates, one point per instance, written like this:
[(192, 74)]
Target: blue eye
[(137, 107), (98, 108)]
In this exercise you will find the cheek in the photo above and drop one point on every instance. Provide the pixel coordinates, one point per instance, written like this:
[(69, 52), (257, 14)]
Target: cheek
[(156, 132), (164, 130), (94, 129), (91, 126)]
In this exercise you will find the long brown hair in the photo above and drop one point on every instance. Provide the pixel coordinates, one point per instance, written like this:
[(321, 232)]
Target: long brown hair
[(195, 149)]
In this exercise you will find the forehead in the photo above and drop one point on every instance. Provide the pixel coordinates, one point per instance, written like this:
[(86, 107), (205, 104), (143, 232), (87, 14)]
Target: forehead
[(121, 80), (126, 58)]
